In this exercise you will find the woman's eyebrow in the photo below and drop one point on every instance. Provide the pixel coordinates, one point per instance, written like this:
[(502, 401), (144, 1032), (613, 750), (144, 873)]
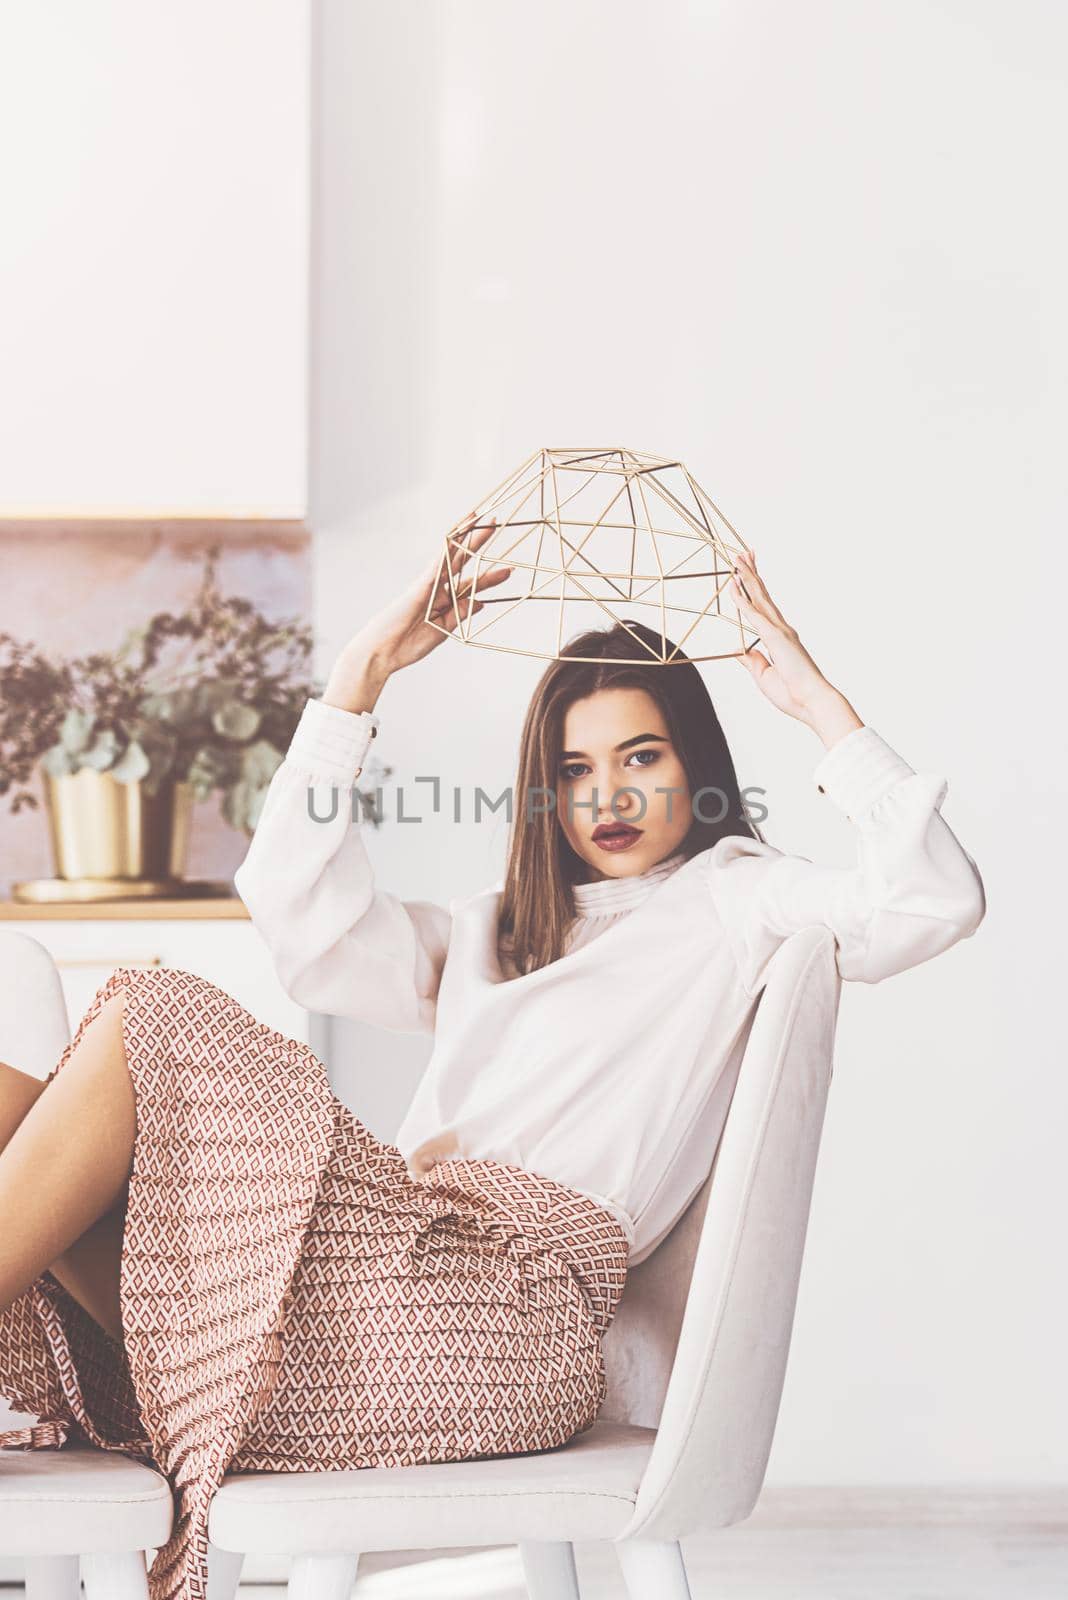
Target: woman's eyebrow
[(639, 738)]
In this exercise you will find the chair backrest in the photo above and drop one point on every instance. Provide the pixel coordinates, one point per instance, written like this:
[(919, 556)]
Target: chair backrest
[(643, 1336), (698, 1345), (34, 1024)]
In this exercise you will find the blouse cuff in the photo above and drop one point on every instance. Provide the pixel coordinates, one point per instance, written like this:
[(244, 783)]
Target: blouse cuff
[(858, 770), (330, 743)]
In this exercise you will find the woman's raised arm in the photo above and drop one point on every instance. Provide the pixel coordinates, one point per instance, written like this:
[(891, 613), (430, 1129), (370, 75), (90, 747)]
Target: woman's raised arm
[(914, 891), (340, 944)]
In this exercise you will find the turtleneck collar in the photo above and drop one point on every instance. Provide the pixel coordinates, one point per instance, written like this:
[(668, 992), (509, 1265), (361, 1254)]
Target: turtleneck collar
[(605, 896)]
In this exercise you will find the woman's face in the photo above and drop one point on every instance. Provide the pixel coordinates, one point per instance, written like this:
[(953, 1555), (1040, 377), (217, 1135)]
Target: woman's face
[(616, 747)]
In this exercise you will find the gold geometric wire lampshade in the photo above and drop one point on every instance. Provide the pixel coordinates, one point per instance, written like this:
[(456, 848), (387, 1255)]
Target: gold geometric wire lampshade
[(595, 537)]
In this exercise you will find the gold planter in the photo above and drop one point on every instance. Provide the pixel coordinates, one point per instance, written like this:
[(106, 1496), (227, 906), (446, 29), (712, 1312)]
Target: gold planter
[(104, 829)]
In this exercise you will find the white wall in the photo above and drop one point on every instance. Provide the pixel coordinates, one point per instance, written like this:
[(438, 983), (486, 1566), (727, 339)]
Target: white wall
[(815, 251), (153, 258)]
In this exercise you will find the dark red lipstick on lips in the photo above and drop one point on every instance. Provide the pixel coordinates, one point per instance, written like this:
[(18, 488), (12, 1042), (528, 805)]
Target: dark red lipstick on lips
[(615, 835)]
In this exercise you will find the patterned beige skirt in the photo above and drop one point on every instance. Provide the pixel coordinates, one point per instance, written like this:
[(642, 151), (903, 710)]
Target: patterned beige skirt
[(292, 1299)]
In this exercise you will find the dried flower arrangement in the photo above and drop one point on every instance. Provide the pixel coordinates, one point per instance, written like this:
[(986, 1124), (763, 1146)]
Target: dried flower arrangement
[(209, 696)]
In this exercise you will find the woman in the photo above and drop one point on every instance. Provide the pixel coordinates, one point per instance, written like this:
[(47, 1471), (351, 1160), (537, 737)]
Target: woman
[(218, 1267)]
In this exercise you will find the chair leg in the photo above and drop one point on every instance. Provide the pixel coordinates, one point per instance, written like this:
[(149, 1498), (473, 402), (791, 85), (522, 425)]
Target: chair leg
[(224, 1572), (322, 1577), (653, 1567), (115, 1575), (52, 1578), (549, 1569)]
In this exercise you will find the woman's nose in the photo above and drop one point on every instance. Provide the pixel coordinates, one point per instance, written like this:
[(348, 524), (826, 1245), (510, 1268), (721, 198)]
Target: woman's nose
[(624, 801)]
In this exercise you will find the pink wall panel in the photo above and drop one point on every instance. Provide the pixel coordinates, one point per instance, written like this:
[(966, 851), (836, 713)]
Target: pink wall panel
[(70, 588)]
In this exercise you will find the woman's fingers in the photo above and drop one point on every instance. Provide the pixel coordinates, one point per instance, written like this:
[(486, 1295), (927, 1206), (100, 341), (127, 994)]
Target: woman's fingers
[(446, 575), (457, 557), (755, 590), (475, 535), (444, 600), (752, 598), (494, 575), (747, 580), (754, 663), (487, 580), (741, 592)]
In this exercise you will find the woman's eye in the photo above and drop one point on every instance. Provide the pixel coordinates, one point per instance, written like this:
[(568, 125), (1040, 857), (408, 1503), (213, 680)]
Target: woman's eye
[(570, 770)]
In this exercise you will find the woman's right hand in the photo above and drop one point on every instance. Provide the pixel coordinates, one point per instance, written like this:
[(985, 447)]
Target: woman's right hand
[(399, 634)]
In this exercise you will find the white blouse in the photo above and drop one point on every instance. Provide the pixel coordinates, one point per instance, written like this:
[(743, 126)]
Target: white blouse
[(611, 1069)]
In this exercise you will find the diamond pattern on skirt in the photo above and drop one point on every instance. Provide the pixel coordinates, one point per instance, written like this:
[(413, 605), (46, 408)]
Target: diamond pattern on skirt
[(292, 1299)]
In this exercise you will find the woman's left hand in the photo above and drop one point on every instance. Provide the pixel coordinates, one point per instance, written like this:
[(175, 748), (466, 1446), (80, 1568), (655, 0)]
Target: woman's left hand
[(787, 675)]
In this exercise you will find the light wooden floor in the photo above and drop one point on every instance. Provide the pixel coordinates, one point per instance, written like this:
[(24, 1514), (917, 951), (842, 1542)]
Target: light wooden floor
[(799, 1544), (810, 1544)]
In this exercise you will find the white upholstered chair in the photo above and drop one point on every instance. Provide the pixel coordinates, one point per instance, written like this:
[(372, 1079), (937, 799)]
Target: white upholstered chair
[(77, 1513), (696, 1358)]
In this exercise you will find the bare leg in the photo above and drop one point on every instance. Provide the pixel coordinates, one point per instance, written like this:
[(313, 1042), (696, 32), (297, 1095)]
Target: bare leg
[(90, 1269), (18, 1091), (65, 1169)]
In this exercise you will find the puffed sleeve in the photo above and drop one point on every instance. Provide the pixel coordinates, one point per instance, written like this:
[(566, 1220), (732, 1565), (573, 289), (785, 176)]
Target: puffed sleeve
[(340, 944), (913, 892)]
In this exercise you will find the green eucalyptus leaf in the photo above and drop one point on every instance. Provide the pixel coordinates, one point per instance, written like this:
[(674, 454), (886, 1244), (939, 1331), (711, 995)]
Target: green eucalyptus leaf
[(160, 707), (255, 808), (56, 762), (205, 767), (161, 753), (214, 693), (260, 762), (236, 721), (211, 768), (103, 751), (76, 730), (239, 804), (132, 765)]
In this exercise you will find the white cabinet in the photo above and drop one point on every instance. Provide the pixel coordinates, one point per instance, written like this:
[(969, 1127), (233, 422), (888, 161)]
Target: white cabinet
[(154, 316)]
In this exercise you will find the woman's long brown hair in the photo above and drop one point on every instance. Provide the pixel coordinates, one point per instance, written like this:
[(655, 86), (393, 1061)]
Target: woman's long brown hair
[(537, 906)]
